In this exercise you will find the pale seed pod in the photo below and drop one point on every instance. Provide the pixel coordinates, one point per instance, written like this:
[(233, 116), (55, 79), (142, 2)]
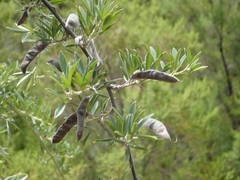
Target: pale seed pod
[(157, 127), (154, 75), (55, 63), (79, 40), (81, 115), (72, 21), (65, 128), (32, 53)]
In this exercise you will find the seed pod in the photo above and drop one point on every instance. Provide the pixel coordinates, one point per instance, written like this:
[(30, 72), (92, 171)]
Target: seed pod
[(72, 21), (65, 128), (81, 115), (24, 16), (158, 128), (55, 63), (79, 40), (155, 75), (32, 53)]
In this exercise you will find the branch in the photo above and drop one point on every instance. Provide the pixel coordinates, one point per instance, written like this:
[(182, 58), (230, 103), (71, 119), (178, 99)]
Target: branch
[(126, 84), (109, 90), (62, 22), (73, 35), (131, 162)]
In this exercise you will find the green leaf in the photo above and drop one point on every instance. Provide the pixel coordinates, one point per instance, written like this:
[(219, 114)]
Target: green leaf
[(104, 140), (18, 30), (143, 120), (153, 53), (149, 137), (199, 68), (19, 176), (63, 64), (59, 110), (94, 108), (174, 53)]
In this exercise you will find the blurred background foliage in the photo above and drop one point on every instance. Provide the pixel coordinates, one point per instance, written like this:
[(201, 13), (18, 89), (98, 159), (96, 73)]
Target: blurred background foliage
[(199, 111)]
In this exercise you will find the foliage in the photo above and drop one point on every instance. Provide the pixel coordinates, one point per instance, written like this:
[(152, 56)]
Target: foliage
[(196, 112)]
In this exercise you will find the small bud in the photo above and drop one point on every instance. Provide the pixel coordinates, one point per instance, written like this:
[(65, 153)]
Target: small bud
[(72, 21), (79, 40)]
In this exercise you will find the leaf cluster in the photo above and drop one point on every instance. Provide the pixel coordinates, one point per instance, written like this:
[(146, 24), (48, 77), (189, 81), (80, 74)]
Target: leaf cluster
[(97, 16), (179, 61)]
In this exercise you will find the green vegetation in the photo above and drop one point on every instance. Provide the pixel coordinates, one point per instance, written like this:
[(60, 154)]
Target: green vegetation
[(201, 113)]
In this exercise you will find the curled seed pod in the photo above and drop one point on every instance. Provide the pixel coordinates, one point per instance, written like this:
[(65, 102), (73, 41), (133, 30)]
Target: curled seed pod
[(65, 128), (72, 21), (157, 127), (81, 115), (79, 40), (32, 53), (155, 75), (24, 16), (55, 63)]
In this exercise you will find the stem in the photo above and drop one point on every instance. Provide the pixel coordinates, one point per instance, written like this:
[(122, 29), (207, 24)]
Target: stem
[(219, 30), (62, 22), (109, 90), (227, 73), (131, 163)]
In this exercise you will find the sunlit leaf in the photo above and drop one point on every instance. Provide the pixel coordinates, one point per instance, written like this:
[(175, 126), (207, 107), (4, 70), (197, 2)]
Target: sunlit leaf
[(59, 110)]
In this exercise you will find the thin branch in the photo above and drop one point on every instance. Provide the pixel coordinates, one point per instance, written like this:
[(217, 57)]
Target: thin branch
[(227, 73), (126, 84), (131, 163), (219, 31), (62, 22), (110, 93)]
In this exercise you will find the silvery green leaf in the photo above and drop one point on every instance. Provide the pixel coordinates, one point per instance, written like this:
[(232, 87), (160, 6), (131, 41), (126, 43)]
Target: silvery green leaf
[(59, 110)]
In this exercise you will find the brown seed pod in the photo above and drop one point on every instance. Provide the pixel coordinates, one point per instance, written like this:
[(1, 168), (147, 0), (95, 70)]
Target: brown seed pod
[(55, 63), (32, 53), (24, 16), (155, 75), (81, 115), (65, 128)]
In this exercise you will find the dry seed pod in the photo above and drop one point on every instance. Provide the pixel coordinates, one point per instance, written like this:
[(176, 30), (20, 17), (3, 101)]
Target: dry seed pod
[(81, 115), (155, 75), (157, 127), (72, 21), (55, 63), (24, 16), (79, 40), (32, 53), (65, 128)]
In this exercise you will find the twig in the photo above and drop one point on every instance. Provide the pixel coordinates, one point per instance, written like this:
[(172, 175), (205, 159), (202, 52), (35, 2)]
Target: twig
[(62, 22), (109, 90), (126, 84), (219, 31), (131, 163)]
